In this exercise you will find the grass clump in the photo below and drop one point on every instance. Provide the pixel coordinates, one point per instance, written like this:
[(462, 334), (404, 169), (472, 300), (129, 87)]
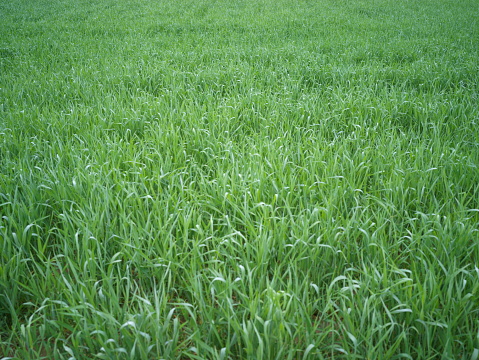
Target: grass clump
[(257, 180)]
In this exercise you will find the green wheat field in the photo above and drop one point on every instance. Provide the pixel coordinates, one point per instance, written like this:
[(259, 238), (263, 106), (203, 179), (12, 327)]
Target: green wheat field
[(239, 179)]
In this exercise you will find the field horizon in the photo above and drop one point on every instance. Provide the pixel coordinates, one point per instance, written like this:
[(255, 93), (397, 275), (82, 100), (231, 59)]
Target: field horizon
[(244, 179)]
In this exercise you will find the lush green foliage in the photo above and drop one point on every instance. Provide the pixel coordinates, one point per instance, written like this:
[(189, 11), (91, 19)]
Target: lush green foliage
[(217, 179)]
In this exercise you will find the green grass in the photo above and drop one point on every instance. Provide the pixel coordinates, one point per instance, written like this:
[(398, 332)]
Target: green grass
[(218, 179)]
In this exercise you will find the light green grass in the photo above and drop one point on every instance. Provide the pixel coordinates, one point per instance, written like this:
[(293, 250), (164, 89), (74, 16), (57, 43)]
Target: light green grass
[(239, 179)]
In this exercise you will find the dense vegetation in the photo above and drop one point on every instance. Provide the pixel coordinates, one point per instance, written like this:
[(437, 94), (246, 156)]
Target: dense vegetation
[(218, 179)]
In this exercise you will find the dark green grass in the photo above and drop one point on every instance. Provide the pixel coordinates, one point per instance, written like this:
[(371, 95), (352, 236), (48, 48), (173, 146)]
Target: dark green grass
[(248, 179)]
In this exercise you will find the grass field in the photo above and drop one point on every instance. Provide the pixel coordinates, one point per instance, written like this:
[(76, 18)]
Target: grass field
[(219, 179)]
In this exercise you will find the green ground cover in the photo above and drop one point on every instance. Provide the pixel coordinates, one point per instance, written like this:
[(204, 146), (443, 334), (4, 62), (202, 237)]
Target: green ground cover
[(218, 179)]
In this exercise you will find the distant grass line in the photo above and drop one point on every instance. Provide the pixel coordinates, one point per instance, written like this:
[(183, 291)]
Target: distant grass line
[(239, 180)]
